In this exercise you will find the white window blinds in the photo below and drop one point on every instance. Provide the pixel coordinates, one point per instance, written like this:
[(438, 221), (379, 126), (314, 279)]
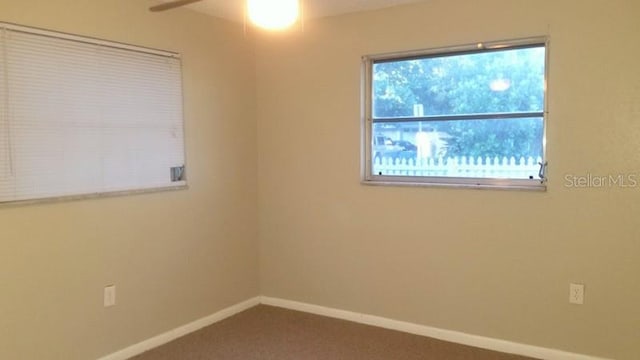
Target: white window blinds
[(82, 116)]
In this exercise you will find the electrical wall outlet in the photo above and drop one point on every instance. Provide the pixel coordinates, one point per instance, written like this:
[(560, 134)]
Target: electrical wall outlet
[(576, 294), (109, 295)]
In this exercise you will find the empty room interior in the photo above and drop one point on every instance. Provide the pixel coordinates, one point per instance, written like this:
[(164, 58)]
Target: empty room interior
[(350, 166)]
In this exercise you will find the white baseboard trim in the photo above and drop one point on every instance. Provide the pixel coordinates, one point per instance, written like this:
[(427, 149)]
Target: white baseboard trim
[(441, 334), (432, 332), (171, 335)]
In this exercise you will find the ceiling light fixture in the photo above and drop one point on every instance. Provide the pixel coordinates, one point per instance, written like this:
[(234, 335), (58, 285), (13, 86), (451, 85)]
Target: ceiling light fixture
[(273, 14)]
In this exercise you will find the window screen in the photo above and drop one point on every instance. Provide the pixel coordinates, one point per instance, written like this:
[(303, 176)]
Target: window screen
[(471, 116), (82, 116)]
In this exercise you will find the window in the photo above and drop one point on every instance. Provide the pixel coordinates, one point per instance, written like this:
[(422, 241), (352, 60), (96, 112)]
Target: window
[(471, 116), (83, 116)]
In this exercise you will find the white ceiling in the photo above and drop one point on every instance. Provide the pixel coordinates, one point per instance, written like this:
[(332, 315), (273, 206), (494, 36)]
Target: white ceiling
[(233, 9)]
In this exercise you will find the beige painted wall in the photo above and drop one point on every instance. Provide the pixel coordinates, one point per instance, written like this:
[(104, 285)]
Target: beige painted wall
[(174, 256), (492, 263)]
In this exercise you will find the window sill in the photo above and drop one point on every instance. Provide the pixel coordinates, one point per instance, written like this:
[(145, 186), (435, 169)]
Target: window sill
[(180, 185), (459, 183)]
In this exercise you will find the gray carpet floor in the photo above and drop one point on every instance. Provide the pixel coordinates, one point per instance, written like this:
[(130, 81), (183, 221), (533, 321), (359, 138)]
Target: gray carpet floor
[(270, 333)]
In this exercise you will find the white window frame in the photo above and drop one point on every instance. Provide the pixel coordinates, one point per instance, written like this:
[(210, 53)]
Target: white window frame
[(367, 121), (175, 173)]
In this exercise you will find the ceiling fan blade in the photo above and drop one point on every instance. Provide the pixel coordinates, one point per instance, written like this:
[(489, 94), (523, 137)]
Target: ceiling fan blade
[(171, 5)]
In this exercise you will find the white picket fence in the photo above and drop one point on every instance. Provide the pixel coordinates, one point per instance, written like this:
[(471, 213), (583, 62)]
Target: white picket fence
[(462, 166)]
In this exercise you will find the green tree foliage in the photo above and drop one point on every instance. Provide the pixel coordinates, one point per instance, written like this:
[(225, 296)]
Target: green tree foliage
[(477, 83)]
